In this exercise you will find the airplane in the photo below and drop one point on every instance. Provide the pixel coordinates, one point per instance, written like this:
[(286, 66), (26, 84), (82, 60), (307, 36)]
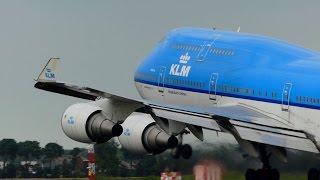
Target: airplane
[(261, 90)]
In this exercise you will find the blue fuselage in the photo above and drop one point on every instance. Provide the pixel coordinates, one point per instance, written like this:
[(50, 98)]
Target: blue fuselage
[(231, 64)]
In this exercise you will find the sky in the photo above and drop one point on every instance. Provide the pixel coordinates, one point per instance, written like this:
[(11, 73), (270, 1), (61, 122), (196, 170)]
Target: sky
[(101, 43)]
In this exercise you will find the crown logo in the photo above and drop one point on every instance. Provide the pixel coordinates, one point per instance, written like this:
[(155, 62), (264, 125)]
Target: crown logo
[(184, 58)]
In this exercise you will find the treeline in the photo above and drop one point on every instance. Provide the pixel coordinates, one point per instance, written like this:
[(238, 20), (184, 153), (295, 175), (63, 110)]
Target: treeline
[(27, 159)]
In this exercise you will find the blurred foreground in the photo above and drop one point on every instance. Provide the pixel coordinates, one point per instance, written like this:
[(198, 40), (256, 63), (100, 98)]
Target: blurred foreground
[(228, 176)]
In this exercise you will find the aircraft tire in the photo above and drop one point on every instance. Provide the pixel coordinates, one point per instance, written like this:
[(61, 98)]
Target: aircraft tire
[(262, 174), (186, 151), (251, 174), (275, 175), (313, 174)]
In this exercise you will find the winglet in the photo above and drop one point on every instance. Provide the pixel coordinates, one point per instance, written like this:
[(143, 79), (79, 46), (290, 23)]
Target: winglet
[(49, 72)]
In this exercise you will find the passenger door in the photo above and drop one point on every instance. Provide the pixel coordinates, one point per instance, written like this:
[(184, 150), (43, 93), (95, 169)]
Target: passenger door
[(161, 79), (213, 86), (286, 96)]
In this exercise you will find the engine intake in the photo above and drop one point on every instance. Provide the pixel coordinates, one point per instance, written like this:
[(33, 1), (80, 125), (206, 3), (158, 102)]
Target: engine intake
[(88, 123), (142, 135)]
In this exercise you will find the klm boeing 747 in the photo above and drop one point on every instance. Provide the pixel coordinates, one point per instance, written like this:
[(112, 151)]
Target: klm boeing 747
[(261, 90)]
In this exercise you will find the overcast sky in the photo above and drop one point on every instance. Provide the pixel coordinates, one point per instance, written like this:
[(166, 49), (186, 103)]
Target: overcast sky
[(101, 43)]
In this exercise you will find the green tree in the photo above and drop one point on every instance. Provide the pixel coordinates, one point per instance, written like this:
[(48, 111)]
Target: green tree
[(107, 160), (77, 165), (131, 158), (10, 171), (66, 169), (148, 166), (8, 152), (52, 151), (28, 150), (75, 152)]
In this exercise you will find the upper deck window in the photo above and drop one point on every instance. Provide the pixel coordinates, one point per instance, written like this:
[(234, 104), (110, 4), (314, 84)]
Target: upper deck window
[(186, 47), (221, 51)]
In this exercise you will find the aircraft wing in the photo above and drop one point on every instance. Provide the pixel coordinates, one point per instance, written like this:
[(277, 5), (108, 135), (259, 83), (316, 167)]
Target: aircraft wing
[(240, 121), (246, 123)]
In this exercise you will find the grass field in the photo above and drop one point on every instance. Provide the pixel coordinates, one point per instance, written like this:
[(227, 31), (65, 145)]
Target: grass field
[(229, 176)]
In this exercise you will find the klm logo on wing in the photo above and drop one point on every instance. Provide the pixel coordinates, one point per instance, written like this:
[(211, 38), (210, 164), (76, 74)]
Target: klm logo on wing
[(71, 120), (49, 74), (127, 132), (181, 69)]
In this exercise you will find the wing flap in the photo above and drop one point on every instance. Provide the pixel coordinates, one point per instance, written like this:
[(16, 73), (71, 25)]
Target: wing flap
[(278, 130), (235, 111), (187, 117), (277, 137)]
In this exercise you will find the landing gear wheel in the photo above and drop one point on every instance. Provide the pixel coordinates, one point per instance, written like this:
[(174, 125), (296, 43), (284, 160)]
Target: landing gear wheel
[(186, 152), (275, 175), (265, 173), (251, 174), (313, 174), (262, 174)]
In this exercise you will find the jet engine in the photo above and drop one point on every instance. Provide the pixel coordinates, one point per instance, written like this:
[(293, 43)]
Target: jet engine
[(89, 123), (142, 135)]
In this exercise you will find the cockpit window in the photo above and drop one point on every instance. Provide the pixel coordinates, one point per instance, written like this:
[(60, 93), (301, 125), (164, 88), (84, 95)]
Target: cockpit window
[(162, 40)]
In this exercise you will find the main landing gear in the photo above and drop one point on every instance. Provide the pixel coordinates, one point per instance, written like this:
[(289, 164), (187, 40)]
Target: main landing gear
[(266, 172), (182, 150), (313, 174)]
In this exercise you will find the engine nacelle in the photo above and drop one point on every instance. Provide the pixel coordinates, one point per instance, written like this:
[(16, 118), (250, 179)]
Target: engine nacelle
[(88, 123), (142, 135)]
